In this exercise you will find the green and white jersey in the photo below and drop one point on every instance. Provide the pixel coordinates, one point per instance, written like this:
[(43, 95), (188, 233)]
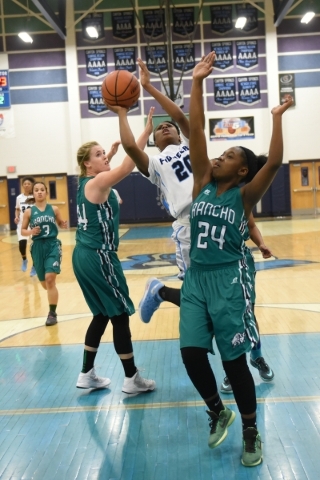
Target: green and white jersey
[(217, 227), (46, 220), (98, 224)]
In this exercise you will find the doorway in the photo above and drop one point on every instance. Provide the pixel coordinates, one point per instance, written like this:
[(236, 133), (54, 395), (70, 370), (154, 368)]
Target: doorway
[(57, 186), (305, 187), (4, 205)]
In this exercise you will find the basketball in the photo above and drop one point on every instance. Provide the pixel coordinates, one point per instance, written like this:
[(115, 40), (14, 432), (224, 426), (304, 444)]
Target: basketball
[(120, 88)]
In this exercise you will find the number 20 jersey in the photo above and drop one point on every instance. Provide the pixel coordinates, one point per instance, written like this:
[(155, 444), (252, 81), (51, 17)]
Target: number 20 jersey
[(171, 171), (217, 227)]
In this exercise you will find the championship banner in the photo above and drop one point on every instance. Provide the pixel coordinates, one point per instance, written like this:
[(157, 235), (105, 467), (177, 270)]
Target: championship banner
[(183, 21), (93, 20), (249, 90), (221, 18), (224, 55), (156, 59), (231, 128), (251, 14), (286, 87), (178, 92), (95, 100), (183, 57), (7, 129), (247, 54), (5, 101), (224, 91), (123, 26), (96, 62), (125, 59), (154, 22)]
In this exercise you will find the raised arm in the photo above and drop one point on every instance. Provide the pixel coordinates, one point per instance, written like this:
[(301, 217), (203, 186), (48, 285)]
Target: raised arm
[(166, 103), (200, 163), (113, 150), (254, 190), (131, 147), (97, 190)]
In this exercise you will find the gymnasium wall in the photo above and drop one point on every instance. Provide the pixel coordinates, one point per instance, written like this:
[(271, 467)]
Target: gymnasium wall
[(50, 116)]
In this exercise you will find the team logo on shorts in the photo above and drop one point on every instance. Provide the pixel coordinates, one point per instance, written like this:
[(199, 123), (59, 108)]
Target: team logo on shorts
[(55, 264), (238, 339)]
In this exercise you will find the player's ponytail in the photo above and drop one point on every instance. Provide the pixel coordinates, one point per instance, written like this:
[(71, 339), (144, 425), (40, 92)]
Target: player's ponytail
[(254, 163)]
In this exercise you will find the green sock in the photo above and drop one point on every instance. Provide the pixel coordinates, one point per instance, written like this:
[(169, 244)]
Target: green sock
[(88, 361), (53, 308)]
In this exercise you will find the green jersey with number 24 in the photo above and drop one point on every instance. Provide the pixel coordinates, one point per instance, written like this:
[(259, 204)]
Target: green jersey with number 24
[(217, 227)]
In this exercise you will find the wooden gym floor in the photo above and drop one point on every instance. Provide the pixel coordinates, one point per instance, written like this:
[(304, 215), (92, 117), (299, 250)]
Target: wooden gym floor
[(50, 430)]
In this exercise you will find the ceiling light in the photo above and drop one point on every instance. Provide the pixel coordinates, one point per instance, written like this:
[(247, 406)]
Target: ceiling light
[(92, 32), (25, 37), (307, 17), (241, 21)]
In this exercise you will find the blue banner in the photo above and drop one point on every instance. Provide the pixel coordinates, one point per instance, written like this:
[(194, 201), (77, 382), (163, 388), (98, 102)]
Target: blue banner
[(95, 101), (224, 55), (125, 59), (249, 90), (221, 18), (154, 22), (247, 54), (224, 91), (123, 25), (5, 101), (93, 20), (96, 62), (156, 58), (183, 21), (251, 14), (183, 57)]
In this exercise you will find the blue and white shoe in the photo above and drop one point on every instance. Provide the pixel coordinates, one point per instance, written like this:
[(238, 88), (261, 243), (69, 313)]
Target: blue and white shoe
[(24, 265), (151, 299), (33, 271)]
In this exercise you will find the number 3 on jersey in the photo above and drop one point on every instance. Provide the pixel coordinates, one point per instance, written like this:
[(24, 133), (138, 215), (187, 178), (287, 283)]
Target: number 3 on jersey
[(202, 243), (182, 168)]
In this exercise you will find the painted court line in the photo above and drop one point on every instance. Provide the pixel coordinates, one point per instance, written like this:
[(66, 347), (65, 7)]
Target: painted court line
[(140, 406)]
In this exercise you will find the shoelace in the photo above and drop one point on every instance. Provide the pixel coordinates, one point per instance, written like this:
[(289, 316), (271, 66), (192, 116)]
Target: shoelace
[(213, 423), (250, 442), (262, 364)]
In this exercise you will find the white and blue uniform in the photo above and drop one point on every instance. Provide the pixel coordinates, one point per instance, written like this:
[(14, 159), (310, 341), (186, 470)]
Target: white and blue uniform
[(22, 205), (171, 171)]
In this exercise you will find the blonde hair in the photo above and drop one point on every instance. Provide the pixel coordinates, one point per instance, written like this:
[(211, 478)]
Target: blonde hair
[(83, 155)]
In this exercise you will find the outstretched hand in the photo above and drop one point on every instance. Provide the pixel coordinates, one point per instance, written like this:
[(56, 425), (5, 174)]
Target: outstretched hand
[(144, 73), (149, 124), (280, 109), (204, 67), (114, 148)]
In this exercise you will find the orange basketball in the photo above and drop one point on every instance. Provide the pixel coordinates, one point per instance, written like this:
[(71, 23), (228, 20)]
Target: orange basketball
[(121, 88)]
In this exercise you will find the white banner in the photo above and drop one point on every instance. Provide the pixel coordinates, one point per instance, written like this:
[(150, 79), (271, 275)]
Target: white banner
[(7, 123)]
